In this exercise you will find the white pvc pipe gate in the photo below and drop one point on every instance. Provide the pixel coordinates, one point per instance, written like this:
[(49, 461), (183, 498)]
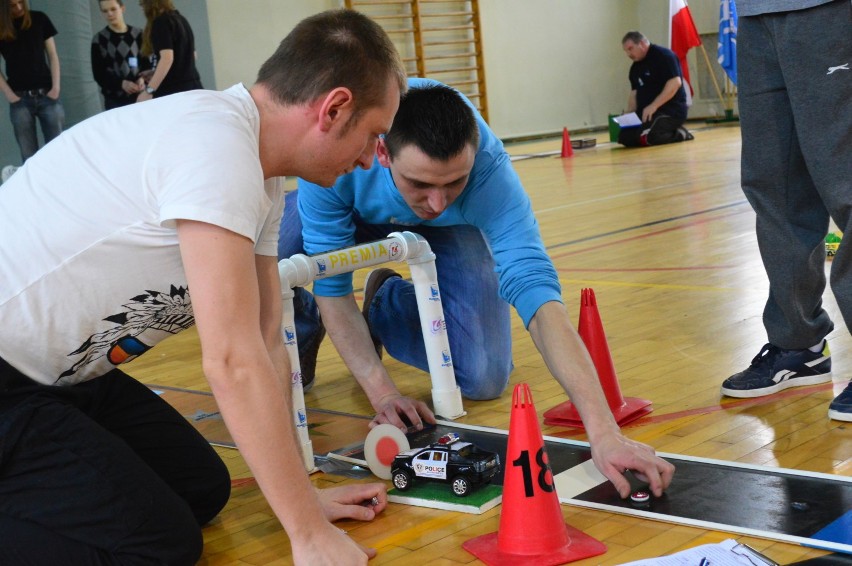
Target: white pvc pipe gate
[(299, 270)]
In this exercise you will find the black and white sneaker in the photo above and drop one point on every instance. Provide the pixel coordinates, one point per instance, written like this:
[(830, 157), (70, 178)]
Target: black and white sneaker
[(684, 135), (841, 408), (775, 369)]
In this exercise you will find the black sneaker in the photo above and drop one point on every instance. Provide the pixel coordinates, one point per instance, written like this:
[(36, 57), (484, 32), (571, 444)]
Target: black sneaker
[(308, 360), (774, 370), (375, 279), (684, 135), (841, 408)]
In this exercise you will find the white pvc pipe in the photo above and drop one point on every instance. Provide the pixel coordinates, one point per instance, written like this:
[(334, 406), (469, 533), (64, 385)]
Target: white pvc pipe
[(300, 415), (446, 395), (300, 270)]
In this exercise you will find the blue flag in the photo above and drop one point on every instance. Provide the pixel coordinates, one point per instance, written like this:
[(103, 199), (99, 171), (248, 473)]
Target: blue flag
[(727, 48)]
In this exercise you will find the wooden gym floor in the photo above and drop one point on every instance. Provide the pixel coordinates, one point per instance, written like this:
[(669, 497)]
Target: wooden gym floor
[(665, 238)]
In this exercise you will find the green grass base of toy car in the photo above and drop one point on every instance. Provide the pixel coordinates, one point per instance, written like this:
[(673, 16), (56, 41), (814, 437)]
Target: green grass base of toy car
[(435, 491)]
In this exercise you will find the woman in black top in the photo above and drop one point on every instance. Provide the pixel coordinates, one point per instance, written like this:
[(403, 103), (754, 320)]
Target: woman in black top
[(31, 82), (169, 40)]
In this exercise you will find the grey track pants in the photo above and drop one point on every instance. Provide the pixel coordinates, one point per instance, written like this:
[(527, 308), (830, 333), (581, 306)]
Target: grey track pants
[(795, 94)]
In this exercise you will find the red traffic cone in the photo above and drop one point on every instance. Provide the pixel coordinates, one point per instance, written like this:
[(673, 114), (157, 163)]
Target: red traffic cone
[(567, 150), (532, 529), (591, 331)]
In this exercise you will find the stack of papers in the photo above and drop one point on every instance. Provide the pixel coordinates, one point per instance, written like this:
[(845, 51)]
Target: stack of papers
[(629, 120), (726, 553)]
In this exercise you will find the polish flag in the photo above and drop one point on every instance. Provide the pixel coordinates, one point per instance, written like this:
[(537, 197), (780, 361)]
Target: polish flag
[(682, 37)]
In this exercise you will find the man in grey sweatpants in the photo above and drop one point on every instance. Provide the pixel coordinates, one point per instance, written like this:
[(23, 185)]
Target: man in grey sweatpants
[(795, 100)]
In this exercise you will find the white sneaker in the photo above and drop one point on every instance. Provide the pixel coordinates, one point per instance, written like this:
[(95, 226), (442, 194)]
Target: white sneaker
[(7, 172)]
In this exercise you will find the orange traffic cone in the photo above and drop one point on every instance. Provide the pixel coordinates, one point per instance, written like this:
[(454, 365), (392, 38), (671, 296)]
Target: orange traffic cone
[(591, 331), (532, 529), (567, 150)]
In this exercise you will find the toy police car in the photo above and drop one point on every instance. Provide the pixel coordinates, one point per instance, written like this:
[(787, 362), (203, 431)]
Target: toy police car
[(461, 464)]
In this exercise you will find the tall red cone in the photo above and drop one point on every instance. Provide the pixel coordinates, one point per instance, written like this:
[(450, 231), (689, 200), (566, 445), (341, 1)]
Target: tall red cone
[(532, 529), (567, 150), (591, 331)]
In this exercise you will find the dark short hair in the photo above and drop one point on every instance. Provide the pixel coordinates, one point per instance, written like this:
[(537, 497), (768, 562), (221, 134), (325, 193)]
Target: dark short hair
[(336, 48), (436, 120), (634, 36)]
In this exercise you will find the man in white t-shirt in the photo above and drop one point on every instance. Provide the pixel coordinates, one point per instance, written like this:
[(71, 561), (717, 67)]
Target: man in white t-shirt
[(110, 243)]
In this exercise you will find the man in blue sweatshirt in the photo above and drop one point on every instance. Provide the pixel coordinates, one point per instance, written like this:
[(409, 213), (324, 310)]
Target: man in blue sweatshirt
[(442, 173)]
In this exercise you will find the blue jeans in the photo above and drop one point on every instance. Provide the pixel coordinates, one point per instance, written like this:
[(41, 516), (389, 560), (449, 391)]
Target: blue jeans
[(23, 114), (478, 324)]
